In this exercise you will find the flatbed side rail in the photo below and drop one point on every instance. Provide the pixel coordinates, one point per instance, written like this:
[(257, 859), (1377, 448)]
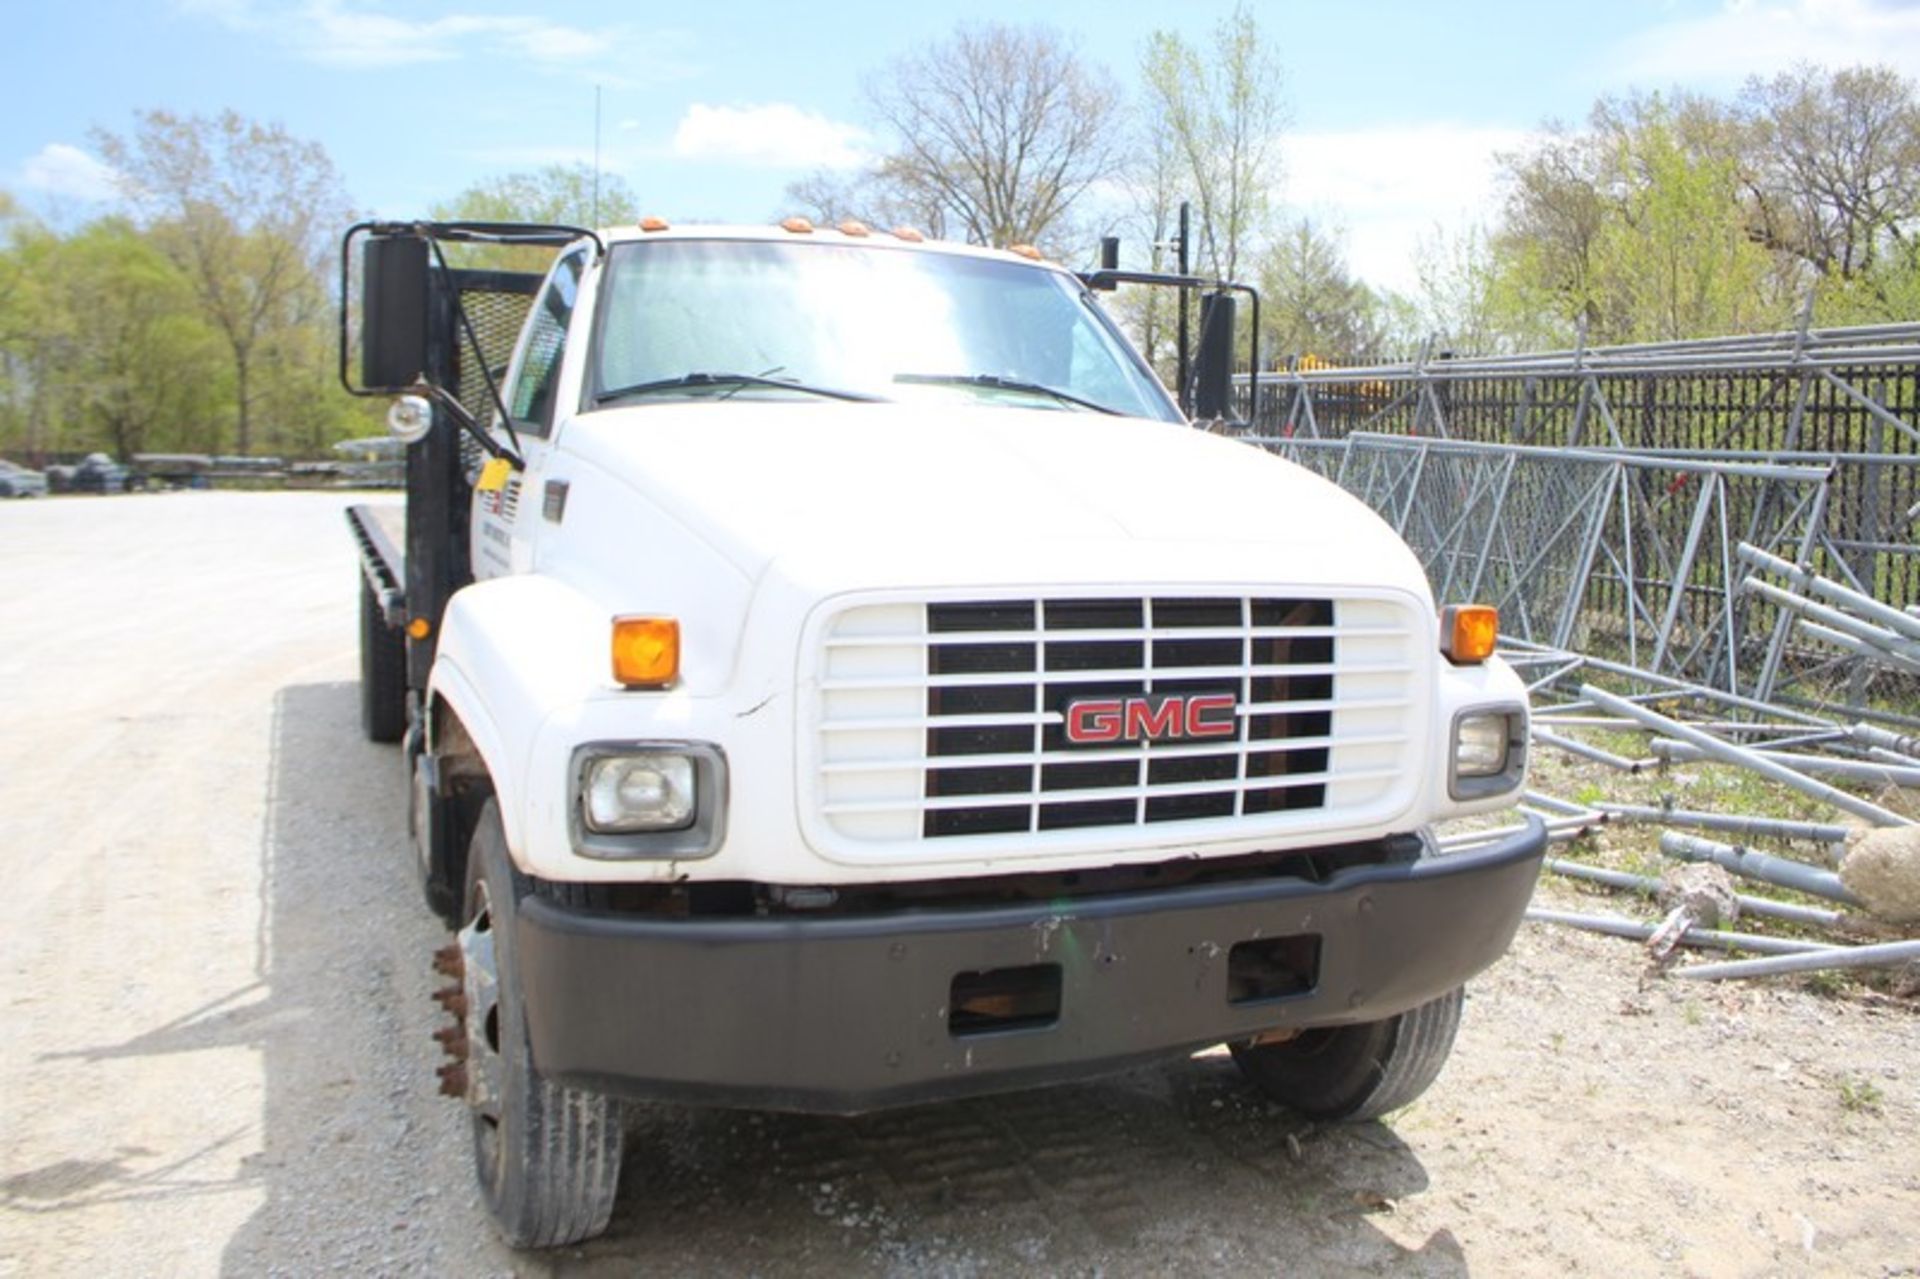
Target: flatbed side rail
[(381, 563)]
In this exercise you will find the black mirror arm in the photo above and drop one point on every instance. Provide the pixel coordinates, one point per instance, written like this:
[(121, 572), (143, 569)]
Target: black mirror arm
[(468, 423), (1106, 278)]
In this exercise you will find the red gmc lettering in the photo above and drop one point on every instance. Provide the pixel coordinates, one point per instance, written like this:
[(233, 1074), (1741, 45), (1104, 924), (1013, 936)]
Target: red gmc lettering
[(1211, 716), (1094, 721), (1154, 719), (1144, 719)]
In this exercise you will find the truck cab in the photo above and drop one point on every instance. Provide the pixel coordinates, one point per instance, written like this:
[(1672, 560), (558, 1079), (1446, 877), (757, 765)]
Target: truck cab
[(864, 686)]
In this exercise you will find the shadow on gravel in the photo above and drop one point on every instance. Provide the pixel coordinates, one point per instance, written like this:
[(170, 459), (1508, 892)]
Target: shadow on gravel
[(363, 1169)]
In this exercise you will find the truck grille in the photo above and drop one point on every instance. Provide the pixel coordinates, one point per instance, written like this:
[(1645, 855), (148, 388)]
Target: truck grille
[(947, 721)]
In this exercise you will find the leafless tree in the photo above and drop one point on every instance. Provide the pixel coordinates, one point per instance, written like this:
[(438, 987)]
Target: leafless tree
[(1836, 164), (1223, 113), (995, 133)]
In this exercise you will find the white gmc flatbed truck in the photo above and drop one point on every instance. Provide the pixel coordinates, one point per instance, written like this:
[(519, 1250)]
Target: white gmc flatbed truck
[(835, 674)]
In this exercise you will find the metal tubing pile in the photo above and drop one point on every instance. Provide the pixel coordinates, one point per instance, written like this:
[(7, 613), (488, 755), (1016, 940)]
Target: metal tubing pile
[(1867, 774), (1832, 613)]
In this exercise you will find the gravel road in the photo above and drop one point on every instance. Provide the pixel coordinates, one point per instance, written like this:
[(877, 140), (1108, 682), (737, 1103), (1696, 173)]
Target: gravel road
[(213, 970)]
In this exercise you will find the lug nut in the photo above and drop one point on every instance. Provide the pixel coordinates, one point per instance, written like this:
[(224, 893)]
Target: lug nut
[(449, 962), (453, 1080), (452, 999)]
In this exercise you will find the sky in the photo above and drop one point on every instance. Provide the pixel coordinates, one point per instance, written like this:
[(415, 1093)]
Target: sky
[(1396, 110)]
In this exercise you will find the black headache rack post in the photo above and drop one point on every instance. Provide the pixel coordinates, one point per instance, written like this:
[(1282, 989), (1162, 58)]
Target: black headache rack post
[(440, 332)]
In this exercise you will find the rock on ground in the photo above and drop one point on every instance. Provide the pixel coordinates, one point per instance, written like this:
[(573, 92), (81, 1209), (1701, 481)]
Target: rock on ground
[(1882, 869)]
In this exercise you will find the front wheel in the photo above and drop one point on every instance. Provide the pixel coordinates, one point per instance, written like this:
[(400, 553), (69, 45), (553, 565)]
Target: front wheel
[(1360, 1071), (548, 1156)]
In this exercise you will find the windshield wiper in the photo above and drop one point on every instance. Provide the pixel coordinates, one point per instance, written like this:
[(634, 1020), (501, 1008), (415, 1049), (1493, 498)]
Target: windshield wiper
[(686, 380), (994, 381)]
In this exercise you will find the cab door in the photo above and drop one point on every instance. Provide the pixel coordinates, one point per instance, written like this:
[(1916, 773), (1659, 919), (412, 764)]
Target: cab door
[(507, 516)]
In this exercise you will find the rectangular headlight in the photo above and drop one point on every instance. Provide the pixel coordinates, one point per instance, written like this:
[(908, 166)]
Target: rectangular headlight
[(647, 799), (624, 794), (1489, 752), (1480, 746)]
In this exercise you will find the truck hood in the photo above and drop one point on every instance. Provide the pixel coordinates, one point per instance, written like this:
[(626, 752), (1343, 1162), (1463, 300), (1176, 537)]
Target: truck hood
[(901, 494)]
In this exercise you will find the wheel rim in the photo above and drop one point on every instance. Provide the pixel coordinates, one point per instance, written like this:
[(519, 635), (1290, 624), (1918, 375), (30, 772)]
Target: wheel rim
[(485, 1066)]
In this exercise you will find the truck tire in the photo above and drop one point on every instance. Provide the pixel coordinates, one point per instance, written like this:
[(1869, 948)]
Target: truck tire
[(383, 672), (548, 1156), (1360, 1071)]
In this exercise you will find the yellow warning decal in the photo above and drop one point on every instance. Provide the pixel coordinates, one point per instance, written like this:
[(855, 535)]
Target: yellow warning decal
[(493, 476)]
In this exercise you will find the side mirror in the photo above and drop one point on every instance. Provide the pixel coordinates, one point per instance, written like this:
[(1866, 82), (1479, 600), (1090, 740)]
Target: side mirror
[(1213, 365), (393, 333)]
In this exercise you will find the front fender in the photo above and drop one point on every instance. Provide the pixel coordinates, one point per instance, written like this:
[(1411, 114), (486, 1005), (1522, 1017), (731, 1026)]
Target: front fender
[(513, 651)]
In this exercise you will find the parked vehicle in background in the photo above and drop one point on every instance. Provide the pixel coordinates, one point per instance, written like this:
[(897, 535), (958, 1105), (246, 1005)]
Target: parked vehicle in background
[(18, 481), (172, 470), (98, 473)]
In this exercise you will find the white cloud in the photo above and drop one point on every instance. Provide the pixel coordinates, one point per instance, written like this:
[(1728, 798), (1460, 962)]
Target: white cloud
[(778, 135), (1388, 187), (342, 33), (61, 170), (1757, 37)]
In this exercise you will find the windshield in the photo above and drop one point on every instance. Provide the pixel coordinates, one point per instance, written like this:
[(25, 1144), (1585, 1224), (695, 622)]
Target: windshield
[(726, 318)]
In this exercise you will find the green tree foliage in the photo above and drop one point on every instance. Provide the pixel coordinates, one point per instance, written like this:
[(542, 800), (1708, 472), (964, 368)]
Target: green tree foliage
[(1674, 258), (102, 346), (250, 215), (1311, 305), (1687, 216), (563, 194), (568, 194), (145, 372), (1221, 111)]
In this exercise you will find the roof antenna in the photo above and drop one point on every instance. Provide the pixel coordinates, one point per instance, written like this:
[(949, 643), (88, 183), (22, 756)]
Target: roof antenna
[(596, 158)]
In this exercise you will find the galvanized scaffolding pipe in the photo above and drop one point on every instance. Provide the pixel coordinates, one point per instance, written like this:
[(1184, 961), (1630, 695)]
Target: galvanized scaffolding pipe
[(1901, 648), (1857, 769), (1695, 690), (1550, 715), (1755, 760), (1859, 648), (1595, 753), (1610, 457), (1810, 583), (1620, 926), (1780, 871), (1554, 804), (1647, 886), (1559, 831), (1883, 955), (1882, 739), (1753, 827)]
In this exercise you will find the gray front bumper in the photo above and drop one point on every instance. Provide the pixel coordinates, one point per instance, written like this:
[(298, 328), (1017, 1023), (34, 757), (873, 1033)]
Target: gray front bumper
[(848, 1014)]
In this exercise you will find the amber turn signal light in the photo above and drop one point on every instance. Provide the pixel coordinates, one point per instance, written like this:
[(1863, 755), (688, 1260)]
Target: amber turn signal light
[(646, 651), (1468, 632)]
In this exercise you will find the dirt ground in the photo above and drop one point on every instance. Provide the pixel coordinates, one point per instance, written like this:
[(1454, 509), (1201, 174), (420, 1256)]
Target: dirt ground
[(213, 971)]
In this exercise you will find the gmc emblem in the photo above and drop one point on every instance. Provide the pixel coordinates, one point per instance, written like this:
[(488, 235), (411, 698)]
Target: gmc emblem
[(1157, 717)]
